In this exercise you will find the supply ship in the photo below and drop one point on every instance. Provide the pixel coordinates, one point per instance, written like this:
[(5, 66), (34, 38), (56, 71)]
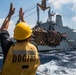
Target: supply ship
[(52, 35), (65, 38)]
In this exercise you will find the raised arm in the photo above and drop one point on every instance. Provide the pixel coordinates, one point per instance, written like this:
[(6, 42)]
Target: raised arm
[(21, 15), (7, 19)]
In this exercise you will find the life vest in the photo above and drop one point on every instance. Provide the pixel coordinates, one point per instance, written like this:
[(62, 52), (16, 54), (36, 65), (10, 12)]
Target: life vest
[(22, 59)]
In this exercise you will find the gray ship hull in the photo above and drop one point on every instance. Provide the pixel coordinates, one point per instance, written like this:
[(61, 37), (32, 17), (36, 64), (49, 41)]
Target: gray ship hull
[(63, 46)]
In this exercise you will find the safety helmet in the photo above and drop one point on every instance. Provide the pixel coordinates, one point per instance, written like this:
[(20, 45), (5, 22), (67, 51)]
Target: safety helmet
[(22, 31)]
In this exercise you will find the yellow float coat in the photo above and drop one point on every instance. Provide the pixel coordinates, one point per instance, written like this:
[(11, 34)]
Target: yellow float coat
[(22, 59)]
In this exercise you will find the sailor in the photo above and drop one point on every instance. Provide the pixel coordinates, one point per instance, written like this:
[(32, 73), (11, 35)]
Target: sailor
[(20, 58)]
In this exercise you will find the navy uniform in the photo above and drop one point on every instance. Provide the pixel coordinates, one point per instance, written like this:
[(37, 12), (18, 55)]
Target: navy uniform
[(22, 57)]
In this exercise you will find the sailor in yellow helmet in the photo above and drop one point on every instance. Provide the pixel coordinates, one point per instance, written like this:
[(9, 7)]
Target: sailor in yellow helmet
[(20, 58)]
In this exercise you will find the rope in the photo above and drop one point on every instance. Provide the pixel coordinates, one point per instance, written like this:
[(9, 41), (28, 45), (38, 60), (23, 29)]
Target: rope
[(28, 9), (30, 14), (33, 7), (42, 72), (69, 43)]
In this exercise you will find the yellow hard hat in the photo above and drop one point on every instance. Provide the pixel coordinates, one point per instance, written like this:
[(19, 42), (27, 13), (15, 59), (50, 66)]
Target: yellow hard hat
[(22, 31)]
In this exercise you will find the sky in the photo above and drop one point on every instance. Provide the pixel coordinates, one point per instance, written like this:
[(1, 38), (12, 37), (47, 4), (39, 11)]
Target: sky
[(66, 8)]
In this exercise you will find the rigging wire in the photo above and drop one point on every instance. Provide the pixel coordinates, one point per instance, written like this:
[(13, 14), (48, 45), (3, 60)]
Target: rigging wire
[(28, 9), (36, 11), (27, 15), (30, 14), (32, 7), (70, 43), (35, 7)]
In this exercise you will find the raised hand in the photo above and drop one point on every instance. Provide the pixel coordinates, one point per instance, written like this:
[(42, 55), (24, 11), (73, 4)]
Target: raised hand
[(7, 19), (11, 10), (21, 15)]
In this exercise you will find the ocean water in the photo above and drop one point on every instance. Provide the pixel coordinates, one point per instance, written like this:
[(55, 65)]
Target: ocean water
[(56, 62)]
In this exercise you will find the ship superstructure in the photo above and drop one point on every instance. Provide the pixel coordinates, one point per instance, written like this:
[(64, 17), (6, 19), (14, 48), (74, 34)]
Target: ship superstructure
[(69, 40)]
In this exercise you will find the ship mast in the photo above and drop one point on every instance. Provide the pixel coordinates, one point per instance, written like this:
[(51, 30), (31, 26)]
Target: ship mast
[(43, 7), (38, 24), (50, 14), (49, 17)]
